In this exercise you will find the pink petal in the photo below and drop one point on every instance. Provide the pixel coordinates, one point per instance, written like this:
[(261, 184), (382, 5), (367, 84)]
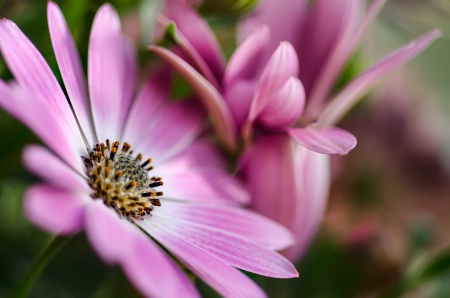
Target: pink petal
[(239, 98), (56, 210), (212, 99), (153, 272), (34, 75), (314, 176), (71, 69), (285, 108), (48, 166), (244, 223), (282, 65), (106, 73), (330, 140), (348, 97), (244, 61), (225, 279), (110, 235), (130, 80)]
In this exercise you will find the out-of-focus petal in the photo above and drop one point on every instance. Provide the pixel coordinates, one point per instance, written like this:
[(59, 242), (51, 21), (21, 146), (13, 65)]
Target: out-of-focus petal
[(246, 59), (244, 223), (285, 107), (48, 166), (348, 97), (71, 69), (239, 98), (106, 71), (55, 210), (329, 140), (153, 272), (225, 279), (282, 65), (212, 100)]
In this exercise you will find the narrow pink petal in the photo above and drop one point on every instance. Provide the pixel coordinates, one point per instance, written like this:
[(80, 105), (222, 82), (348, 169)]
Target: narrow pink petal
[(244, 62), (212, 100), (71, 69), (282, 65), (130, 80), (110, 235), (314, 172), (106, 73), (56, 210), (330, 140), (348, 97), (153, 272), (225, 279), (206, 185), (48, 166), (239, 97), (286, 106), (246, 224), (33, 74)]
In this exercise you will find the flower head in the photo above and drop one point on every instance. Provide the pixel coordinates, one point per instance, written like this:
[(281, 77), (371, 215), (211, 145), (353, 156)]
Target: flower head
[(131, 169)]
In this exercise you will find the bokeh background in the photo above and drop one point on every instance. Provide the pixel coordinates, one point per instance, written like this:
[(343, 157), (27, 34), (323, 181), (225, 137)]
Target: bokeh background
[(386, 231)]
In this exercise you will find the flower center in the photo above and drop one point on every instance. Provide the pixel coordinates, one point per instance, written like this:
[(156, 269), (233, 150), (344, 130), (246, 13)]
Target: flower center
[(121, 180)]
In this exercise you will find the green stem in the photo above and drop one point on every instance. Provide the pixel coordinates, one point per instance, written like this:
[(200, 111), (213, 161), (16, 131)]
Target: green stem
[(38, 265)]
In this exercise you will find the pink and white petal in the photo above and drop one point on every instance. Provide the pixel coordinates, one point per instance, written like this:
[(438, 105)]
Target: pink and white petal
[(286, 107), (329, 140), (34, 75), (48, 166), (71, 69), (153, 272), (213, 101), (268, 169), (56, 210), (106, 73), (110, 235), (225, 279), (239, 98), (245, 61), (314, 173), (202, 184), (155, 91), (245, 223), (130, 80), (282, 65), (348, 97), (170, 130)]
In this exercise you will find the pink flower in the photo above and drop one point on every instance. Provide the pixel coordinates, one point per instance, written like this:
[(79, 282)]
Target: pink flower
[(109, 191)]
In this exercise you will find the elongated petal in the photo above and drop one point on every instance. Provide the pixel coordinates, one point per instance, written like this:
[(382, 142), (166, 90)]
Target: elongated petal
[(211, 98), (246, 224), (41, 89), (106, 71), (285, 108), (153, 272), (282, 65), (239, 97), (56, 210), (130, 80), (348, 97), (330, 140), (48, 166), (71, 69), (225, 279), (246, 59)]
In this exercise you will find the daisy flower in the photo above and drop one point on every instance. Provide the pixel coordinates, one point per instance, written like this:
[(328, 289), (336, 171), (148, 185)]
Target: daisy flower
[(98, 175)]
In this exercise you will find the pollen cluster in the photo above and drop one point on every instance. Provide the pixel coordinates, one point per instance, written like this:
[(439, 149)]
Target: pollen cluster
[(121, 180)]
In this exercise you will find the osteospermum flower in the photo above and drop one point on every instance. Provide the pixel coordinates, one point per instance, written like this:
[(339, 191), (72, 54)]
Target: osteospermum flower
[(99, 176)]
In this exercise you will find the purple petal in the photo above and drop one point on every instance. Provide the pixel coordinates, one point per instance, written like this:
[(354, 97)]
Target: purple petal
[(225, 279), (244, 223), (239, 98), (106, 73), (71, 69), (285, 108), (330, 140), (212, 100), (48, 166), (153, 272), (55, 210), (349, 96)]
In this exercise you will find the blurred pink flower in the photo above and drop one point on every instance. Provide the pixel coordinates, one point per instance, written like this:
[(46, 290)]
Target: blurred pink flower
[(108, 191)]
